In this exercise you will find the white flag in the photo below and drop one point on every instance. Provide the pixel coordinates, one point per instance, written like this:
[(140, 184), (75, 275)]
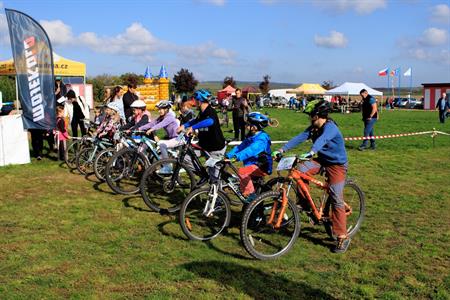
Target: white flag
[(407, 73)]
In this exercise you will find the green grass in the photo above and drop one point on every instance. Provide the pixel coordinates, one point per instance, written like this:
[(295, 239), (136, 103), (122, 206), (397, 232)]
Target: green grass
[(65, 236)]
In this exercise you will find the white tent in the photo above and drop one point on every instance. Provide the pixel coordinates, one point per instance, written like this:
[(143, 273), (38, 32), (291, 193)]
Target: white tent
[(352, 88)]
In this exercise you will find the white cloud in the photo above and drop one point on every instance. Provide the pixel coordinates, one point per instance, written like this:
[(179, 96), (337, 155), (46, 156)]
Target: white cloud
[(440, 14), (433, 37), (420, 54), (58, 32), (335, 40), (361, 7)]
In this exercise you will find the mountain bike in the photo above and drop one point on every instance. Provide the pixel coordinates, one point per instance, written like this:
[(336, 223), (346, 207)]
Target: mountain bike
[(271, 224), (74, 148), (168, 181), (101, 160), (206, 212), (125, 168), (86, 156)]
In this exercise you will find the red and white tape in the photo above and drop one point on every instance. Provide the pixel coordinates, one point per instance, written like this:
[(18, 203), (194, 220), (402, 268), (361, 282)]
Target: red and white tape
[(433, 134)]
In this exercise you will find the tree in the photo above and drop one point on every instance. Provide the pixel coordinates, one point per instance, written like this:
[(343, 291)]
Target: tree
[(184, 81), (8, 88), (328, 84), (131, 78), (99, 83), (229, 80), (264, 85)]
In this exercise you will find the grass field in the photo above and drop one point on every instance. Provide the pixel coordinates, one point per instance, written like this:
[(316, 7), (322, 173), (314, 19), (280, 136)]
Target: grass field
[(63, 235)]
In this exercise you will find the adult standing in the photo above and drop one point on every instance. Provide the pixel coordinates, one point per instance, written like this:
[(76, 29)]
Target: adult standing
[(116, 97), (369, 117), (128, 98), (239, 106), (442, 106), (60, 88), (78, 110)]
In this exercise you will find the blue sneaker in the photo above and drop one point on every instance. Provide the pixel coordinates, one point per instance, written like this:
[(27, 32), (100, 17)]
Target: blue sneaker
[(250, 198), (166, 170)]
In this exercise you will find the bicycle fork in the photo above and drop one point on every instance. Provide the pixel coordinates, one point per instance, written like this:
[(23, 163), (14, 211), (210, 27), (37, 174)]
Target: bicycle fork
[(275, 221), (210, 204)]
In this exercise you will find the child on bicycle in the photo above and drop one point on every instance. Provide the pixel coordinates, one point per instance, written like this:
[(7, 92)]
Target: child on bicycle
[(254, 152), (328, 144), (110, 123), (139, 118)]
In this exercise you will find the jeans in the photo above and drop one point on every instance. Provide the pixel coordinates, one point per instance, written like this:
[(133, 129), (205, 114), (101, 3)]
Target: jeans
[(368, 131), (239, 126), (442, 116)]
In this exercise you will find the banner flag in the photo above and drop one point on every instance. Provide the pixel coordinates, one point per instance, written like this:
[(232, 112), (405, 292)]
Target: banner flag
[(383, 72), (33, 60), (395, 72), (407, 73)]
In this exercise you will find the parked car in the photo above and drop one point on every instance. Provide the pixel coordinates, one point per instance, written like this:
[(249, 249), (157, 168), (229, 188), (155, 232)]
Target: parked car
[(405, 102)]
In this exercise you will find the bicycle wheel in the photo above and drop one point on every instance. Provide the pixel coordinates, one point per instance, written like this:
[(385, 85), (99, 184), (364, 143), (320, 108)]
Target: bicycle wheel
[(262, 240), (124, 171), (100, 162), (85, 160), (198, 221), (354, 209), (70, 156), (161, 189), (274, 123)]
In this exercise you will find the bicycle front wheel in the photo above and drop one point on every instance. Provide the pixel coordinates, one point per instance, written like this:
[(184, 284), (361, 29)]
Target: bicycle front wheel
[(199, 220), (124, 171), (166, 184), (101, 161), (85, 160), (72, 151), (263, 239)]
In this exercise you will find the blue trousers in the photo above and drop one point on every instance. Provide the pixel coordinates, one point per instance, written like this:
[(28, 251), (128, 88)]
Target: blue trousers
[(368, 131)]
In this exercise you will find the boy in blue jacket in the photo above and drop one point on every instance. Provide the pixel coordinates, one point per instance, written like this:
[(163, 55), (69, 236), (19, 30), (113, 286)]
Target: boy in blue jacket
[(328, 144), (254, 152)]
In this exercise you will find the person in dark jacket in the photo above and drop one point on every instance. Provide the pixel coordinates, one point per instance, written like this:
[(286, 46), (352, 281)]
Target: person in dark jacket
[(442, 106), (369, 117), (128, 98), (240, 108)]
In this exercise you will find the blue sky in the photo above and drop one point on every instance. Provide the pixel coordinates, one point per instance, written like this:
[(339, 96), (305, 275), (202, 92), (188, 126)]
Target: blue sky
[(292, 41)]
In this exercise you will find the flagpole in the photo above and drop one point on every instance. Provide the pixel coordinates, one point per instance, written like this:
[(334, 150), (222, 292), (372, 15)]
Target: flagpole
[(399, 77), (410, 82), (388, 87)]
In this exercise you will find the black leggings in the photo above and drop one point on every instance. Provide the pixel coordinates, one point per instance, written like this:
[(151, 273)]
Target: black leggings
[(239, 126), (74, 125)]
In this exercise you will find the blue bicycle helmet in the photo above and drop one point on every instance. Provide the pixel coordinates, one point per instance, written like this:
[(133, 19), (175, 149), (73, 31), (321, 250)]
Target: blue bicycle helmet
[(202, 95), (258, 119)]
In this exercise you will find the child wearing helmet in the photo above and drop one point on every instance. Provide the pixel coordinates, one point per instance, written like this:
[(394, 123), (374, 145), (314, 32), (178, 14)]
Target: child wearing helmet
[(111, 123), (328, 144), (139, 118), (210, 136), (254, 152), (166, 120)]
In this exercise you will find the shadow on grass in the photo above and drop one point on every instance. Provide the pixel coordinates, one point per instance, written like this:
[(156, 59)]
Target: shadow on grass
[(253, 282), (91, 177), (309, 233), (173, 220), (97, 186), (234, 236), (127, 204)]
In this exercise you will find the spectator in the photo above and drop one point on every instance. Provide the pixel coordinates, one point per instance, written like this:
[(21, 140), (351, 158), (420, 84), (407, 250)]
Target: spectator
[(128, 98), (116, 97), (442, 106), (186, 113), (60, 88), (240, 107), (107, 96), (369, 117), (78, 110)]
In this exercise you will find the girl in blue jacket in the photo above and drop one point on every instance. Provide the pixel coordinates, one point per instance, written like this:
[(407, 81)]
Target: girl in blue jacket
[(254, 152)]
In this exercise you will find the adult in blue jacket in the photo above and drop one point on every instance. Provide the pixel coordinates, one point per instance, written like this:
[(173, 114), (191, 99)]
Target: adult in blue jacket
[(254, 152), (328, 144)]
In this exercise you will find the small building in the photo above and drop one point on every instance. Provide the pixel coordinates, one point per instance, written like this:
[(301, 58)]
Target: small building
[(432, 92)]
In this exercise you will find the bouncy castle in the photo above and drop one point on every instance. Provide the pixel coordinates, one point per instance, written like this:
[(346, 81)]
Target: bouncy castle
[(154, 88)]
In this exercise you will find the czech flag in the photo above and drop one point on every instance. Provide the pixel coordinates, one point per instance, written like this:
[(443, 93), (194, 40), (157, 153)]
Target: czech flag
[(383, 72)]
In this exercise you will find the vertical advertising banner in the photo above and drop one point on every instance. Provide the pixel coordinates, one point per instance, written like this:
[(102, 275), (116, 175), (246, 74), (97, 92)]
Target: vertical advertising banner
[(33, 60)]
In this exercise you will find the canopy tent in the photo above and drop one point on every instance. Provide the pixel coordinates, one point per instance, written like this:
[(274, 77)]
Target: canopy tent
[(62, 67), (353, 88), (229, 89), (308, 89)]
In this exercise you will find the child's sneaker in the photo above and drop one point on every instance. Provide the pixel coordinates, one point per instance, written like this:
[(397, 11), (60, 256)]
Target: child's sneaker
[(342, 245)]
